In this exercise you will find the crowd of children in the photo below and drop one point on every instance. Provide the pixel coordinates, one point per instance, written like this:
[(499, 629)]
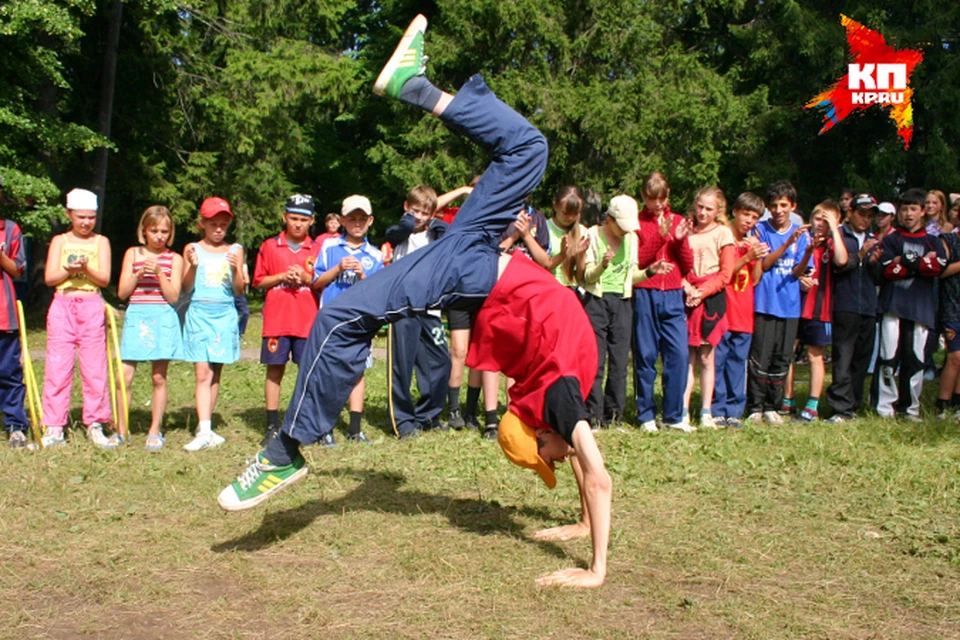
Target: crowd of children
[(744, 292)]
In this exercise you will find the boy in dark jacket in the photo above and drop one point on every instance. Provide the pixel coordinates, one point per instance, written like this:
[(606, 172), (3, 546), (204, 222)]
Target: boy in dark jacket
[(854, 310)]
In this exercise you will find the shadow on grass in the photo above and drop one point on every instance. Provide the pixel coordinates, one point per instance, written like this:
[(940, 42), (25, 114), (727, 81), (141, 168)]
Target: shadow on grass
[(377, 419), (380, 491)]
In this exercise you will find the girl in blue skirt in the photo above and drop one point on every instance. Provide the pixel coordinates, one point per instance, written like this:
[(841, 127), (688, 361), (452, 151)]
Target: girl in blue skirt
[(213, 273), (150, 279)]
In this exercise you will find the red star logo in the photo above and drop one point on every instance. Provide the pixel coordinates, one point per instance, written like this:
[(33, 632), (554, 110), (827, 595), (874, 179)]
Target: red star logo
[(879, 74)]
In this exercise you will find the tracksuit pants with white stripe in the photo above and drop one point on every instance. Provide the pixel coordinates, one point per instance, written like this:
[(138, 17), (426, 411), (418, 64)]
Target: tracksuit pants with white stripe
[(902, 345), (458, 271)]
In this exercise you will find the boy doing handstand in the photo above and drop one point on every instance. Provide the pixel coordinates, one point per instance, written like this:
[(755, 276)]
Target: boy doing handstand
[(460, 271)]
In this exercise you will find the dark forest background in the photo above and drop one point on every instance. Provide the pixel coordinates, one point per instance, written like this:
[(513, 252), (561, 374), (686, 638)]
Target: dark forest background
[(252, 100)]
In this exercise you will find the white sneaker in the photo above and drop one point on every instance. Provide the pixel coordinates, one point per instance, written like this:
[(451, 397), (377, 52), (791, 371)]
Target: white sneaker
[(205, 440), (650, 426), (52, 437), (686, 427), (756, 418), (772, 417), (707, 422), (95, 435)]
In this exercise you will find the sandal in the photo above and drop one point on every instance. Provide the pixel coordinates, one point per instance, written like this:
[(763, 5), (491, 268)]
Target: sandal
[(113, 442), (155, 442)]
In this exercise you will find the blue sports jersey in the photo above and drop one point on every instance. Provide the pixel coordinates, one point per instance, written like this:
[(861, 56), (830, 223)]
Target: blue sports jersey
[(336, 249), (778, 292)]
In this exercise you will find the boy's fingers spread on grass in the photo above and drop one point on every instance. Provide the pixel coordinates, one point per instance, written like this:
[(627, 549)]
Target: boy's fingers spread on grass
[(579, 578), (565, 532)]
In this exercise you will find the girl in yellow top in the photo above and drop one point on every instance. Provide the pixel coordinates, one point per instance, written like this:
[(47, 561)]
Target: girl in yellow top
[(78, 265)]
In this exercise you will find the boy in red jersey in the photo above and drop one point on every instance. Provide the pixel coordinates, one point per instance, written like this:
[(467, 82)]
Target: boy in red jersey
[(730, 358), (285, 270)]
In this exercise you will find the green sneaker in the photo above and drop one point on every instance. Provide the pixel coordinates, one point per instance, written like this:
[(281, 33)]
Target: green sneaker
[(406, 62), (260, 481)]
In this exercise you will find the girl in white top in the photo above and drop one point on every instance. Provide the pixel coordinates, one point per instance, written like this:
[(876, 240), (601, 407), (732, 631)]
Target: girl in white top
[(714, 255)]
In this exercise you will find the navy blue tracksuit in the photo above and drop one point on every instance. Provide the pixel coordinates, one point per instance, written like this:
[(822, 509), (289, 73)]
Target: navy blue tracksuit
[(418, 342), (458, 271)]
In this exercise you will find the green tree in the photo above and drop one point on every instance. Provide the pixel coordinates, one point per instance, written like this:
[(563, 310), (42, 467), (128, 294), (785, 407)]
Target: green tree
[(35, 139)]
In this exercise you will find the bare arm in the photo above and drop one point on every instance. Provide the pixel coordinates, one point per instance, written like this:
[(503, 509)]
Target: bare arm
[(840, 255), (170, 287), (348, 263), (596, 489), (190, 262), (235, 258), (8, 265), (539, 255), (448, 197), (101, 276), (800, 268), (53, 273), (128, 278), (269, 282)]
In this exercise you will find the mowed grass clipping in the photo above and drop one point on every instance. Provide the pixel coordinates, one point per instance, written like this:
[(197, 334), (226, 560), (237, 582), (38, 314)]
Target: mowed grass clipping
[(800, 531)]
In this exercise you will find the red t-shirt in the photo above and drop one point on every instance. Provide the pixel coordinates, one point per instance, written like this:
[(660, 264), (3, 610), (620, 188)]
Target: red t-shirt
[(535, 331), (449, 214), (288, 310), (740, 295), (817, 303)]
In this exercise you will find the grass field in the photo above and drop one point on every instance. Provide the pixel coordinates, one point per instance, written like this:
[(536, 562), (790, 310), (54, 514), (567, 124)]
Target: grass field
[(801, 531)]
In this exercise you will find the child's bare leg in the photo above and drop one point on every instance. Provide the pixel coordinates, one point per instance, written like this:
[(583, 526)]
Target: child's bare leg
[(202, 394), (459, 344), (271, 388), (356, 396), (949, 377), (442, 104), (491, 390), (817, 370), (215, 387), (160, 392), (688, 391), (788, 384), (707, 376)]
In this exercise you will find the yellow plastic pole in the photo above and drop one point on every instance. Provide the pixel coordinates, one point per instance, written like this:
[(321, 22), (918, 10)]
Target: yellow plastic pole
[(124, 401), (112, 381), (30, 380)]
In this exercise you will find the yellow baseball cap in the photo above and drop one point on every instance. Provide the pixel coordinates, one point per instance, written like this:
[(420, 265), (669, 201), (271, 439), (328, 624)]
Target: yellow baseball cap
[(519, 444)]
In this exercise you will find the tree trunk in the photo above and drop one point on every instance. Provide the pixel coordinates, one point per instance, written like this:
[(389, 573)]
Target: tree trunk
[(102, 154)]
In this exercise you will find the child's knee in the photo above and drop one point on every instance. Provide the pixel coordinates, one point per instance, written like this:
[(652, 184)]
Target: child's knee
[(159, 380)]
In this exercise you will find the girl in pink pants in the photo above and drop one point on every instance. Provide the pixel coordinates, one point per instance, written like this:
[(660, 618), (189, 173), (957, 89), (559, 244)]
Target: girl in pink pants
[(78, 265)]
